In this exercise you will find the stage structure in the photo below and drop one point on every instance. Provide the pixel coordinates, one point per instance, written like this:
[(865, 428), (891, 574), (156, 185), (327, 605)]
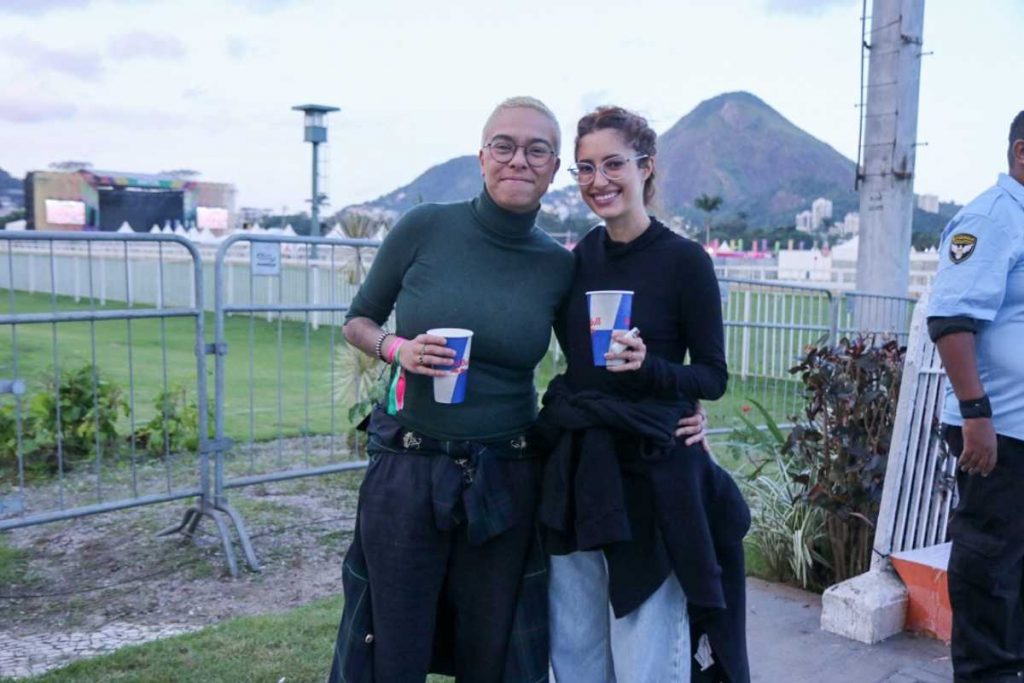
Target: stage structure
[(104, 200)]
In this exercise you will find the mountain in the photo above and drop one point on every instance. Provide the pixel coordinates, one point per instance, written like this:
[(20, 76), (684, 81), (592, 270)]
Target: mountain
[(8, 182), (454, 180), (739, 148), (736, 146), (12, 193)]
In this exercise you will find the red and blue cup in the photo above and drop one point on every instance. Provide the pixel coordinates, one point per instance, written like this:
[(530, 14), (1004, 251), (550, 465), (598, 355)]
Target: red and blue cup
[(451, 388), (611, 311)]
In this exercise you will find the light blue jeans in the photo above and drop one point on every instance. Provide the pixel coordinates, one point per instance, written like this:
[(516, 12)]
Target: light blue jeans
[(589, 645)]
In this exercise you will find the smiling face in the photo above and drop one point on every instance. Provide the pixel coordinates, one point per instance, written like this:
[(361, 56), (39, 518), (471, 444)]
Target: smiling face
[(515, 185), (613, 200)]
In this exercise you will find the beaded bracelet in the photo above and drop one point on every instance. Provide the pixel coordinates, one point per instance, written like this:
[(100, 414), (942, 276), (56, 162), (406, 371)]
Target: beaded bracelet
[(380, 342), (391, 355)]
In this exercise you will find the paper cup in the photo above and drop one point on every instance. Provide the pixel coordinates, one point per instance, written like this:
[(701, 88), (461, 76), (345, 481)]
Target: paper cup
[(610, 312), (451, 388)]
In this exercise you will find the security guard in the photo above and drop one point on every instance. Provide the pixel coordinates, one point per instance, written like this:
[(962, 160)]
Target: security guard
[(976, 318)]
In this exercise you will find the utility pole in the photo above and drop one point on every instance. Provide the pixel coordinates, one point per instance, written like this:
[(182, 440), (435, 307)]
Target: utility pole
[(885, 174)]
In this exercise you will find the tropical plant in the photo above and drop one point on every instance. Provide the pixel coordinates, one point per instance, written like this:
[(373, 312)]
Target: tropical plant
[(841, 441), (357, 225), (360, 381), (786, 532), (708, 204)]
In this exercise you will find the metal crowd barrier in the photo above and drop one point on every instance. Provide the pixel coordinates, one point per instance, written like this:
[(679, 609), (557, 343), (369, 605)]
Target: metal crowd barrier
[(86, 351), (131, 309)]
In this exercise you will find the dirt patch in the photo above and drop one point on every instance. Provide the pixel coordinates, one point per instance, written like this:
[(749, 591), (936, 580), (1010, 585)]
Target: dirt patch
[(110, 574)]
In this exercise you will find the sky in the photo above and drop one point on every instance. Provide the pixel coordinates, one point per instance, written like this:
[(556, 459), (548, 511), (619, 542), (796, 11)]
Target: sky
[(150, 85)]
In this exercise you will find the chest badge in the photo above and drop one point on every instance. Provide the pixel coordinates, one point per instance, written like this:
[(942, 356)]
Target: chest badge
[(961, 247)]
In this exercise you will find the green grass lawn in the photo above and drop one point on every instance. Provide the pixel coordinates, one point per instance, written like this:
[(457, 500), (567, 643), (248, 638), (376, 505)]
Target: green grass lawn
[(295, 646), (279, 378), (290, 366)]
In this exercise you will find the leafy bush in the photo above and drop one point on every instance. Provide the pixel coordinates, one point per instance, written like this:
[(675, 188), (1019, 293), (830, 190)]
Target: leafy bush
[(88, 405), (786, 532), (841, 441), (175, 426)]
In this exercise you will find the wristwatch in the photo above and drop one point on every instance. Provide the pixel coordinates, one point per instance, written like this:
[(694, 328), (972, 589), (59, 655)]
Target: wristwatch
[(975, 407)]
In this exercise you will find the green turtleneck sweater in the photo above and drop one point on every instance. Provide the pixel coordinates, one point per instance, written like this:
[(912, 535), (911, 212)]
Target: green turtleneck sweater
[(477, 266)]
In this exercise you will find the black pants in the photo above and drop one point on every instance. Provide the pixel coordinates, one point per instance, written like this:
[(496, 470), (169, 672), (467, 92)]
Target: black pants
[(437, 600), (986, 567)]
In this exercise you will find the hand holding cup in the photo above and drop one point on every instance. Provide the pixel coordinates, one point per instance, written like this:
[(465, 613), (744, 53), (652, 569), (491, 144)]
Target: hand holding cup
[(627, 352), (426, 354)]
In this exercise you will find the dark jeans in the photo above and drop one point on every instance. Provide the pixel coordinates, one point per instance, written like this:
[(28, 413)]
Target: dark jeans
[(986, 567), (436, 598)]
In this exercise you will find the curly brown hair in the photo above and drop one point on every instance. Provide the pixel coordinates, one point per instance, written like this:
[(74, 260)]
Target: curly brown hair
[(635, 132)]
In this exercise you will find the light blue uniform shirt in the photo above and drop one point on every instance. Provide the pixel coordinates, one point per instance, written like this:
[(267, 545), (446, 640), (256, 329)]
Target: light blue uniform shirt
[(981, 276)]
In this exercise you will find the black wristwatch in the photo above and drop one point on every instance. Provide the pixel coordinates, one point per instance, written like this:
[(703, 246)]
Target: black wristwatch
[(975, 407)]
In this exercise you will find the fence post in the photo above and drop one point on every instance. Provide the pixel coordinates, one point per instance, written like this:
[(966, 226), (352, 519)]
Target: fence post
[(78, 285), (103, 282), (745, 358), (316, 296), (130, 294), (837, 310)]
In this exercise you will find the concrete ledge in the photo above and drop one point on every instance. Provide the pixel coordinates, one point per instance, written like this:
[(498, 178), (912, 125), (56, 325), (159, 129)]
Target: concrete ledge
[(923, 572), (867, 608)]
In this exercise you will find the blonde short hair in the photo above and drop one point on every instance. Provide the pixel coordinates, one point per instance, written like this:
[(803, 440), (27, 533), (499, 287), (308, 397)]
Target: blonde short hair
[(524, 102)]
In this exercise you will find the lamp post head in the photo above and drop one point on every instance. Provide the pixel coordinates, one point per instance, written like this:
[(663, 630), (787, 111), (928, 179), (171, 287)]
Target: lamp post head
[(315, 121)]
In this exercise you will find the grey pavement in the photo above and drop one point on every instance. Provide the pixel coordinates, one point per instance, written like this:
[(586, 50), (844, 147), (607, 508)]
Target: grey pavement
[(787, 645)]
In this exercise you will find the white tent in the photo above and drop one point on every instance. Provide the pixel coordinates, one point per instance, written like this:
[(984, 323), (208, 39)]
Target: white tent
[(15, 225), (125, 227), (155, 230), (207, 237)]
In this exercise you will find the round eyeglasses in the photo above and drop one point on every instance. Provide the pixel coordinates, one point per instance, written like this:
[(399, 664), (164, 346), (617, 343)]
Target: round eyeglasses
[(538, 154), (612, 168)]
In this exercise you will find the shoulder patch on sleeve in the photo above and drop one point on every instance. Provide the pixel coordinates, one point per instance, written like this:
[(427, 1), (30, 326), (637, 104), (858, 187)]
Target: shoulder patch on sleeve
[(962, 246)]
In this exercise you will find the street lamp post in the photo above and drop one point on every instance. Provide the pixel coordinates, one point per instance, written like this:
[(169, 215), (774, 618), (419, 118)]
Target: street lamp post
[(316, 133)]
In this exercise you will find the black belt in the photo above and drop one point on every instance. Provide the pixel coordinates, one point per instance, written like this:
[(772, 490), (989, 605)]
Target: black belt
[(514, 447)]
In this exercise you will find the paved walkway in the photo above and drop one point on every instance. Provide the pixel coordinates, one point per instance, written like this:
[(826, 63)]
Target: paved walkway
[(785, 642), (787, 645)]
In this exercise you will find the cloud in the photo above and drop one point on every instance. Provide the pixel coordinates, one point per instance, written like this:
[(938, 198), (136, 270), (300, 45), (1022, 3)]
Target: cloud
[(593, 99), (38, 7), (143, 45), (138, 118), (812, 7), (265, 5), (238, 48), (31, 110), (82, 64)]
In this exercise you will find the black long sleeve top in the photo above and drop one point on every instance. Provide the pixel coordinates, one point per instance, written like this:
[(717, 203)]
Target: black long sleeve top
[(676, 306)]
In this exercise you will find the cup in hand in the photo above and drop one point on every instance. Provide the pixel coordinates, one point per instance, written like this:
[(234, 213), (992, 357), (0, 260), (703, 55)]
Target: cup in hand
[(610, 312), (451, 388)]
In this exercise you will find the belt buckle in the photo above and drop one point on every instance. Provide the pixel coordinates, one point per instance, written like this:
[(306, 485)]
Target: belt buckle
[(410, 441), (467, 469), (518, 443)]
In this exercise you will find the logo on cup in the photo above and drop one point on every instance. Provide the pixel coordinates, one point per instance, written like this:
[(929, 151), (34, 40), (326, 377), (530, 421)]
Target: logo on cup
[(609, 311)]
